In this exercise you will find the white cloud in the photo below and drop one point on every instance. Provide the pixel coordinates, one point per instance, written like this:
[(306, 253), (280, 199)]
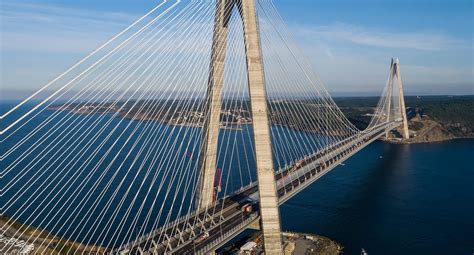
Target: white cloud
[(352, 74), (348, 57), (25, 12), (52, 29), (420, 40), (354, 59)]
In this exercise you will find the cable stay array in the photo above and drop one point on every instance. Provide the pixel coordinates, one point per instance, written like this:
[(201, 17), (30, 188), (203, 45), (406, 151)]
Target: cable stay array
[(109, 150)]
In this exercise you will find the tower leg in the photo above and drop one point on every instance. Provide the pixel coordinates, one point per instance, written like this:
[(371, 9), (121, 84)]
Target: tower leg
[(389, 94), (261, 126), (406, 134), (263, 148), (210, 136)]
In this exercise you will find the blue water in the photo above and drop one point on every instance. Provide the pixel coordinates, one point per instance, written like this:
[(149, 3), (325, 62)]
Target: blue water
[(416, 199), (64, 179), (387, 199)]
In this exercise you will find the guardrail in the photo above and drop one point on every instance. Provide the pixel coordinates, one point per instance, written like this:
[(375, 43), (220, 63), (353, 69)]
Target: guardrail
[(228, 235), (334, 148)]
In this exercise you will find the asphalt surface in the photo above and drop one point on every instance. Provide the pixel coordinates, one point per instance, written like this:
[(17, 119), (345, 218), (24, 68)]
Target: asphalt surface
[(183, 242)]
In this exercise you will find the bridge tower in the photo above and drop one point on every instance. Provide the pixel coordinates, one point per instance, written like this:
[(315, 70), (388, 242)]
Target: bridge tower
[(396, 72), (270, 218), (389, 97)]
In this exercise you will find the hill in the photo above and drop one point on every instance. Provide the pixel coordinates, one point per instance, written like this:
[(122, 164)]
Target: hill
[(431, 118)]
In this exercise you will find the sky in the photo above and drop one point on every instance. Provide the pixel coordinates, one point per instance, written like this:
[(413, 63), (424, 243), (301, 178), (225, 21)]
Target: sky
[(349, 43)]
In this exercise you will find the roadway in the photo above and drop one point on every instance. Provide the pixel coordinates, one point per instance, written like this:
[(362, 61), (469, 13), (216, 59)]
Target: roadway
[(225, 219)]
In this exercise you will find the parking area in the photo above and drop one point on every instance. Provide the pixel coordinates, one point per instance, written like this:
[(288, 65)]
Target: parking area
[(15, 246)]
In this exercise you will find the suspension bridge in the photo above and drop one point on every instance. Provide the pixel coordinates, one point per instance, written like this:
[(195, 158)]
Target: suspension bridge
[(189, 126)]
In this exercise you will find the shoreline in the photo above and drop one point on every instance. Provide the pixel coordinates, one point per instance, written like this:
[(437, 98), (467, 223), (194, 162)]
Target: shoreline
[(293, 243), (18, 237), (427, 142), (305, 243), (44, 243)]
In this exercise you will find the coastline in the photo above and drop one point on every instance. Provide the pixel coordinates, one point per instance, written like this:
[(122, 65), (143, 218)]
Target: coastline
[(296, 243), (424, 130), (427, 142), (20, 242)]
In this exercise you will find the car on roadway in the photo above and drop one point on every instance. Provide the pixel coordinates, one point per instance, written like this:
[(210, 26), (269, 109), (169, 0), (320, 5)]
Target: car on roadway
[(248, 205), (202, 237)]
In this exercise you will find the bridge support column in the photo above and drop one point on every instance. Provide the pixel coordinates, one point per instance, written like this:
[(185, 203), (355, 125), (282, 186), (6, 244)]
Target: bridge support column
[(261, 127), (406, 134), (211, 128), (389, 95)]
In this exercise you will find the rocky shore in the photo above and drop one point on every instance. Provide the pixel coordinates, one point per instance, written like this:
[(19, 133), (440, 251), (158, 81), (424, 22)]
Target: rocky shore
[(309, 244), (426, 130), (293, 244), (22, 239)]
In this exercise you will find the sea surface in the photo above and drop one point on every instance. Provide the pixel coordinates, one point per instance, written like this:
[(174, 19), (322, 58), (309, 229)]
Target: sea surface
[(393, 199), (387, 199)]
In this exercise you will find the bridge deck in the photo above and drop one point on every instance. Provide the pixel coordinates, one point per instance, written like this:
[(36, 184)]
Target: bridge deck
[(225, 220)]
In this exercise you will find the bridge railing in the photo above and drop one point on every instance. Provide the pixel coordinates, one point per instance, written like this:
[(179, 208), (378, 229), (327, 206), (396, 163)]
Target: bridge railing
[(227, 235), (362, 141), (150, 235), (342, 142), (332, 148)]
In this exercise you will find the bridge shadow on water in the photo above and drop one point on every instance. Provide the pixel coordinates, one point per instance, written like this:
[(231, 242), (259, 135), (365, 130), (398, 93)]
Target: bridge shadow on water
[(350, 195)]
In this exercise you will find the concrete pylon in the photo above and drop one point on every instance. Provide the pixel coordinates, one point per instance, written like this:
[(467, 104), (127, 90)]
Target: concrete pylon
[(389, 95), (261, 131), (406, 134), (261, 125), (213, 103)]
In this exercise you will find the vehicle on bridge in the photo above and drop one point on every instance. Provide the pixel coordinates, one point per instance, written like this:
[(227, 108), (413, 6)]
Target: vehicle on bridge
[(202, 237), (248, 205)]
